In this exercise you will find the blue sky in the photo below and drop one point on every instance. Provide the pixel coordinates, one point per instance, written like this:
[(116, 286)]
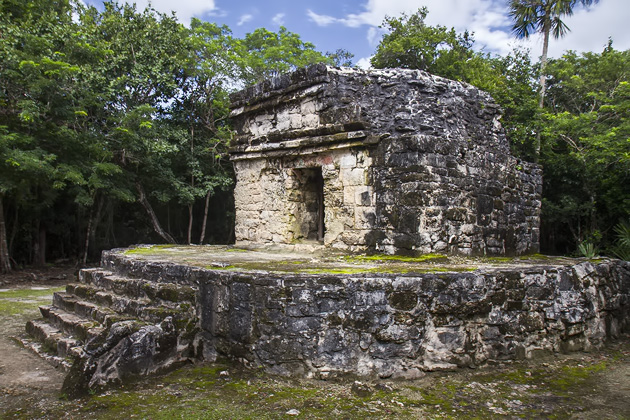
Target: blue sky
[(353, 24)]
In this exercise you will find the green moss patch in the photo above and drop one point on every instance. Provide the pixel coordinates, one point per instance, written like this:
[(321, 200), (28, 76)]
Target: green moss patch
[(425, 258), (149, 250)]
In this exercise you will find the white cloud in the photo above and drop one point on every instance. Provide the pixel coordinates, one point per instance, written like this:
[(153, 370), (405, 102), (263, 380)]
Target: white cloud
[(244, 19), (322, 20), (185, 9), (364, 63), (491, 26), (374, 35), (278, 19)]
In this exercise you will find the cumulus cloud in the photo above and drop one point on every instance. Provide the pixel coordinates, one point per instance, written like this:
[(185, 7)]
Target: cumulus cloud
[(322, 20), (364, 63), (185, 9), (244, 19), (278, 19), (489, 22)]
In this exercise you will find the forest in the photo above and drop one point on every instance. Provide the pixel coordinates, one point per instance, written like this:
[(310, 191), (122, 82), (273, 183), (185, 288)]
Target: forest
[(114, 124)]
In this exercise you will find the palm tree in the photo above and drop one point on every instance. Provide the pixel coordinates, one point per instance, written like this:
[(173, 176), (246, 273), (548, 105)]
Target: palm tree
[(545, 17), (542, 16)]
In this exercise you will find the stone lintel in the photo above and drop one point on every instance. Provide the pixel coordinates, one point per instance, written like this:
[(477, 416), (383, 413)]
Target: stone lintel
[(330, 140), (301, 150)]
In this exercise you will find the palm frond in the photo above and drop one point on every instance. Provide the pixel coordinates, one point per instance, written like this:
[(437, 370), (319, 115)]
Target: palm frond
[(623, 233)]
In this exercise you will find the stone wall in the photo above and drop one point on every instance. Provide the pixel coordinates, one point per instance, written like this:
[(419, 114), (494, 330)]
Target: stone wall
[(411, 162), (389, 325), (270, 199)]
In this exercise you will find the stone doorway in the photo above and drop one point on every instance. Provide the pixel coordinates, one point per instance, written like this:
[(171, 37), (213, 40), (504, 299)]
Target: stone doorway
[(308, 199)]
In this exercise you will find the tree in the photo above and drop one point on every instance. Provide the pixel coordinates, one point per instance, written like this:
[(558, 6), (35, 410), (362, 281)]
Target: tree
[(341, 57), (544, 17), (411, 43), (38, 104), (586, 153), (265, 54)]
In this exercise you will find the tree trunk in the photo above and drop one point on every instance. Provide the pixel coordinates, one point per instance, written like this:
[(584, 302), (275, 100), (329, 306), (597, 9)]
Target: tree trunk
[(5, 262), (154, 220), (41, 242), (87, 235), (543, 66), (93, 223), (14, 229), (190, 223), (543, 82), (202, 237)]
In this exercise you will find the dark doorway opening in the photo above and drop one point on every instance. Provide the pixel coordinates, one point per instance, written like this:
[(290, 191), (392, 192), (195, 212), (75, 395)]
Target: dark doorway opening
[(309, 198)]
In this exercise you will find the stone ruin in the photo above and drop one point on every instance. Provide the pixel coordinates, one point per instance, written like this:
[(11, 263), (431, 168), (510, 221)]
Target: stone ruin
[(384, 161), (388, 161)]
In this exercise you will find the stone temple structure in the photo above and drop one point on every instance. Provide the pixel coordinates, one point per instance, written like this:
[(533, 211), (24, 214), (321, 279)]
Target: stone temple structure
[(386, 161), (392, 162)]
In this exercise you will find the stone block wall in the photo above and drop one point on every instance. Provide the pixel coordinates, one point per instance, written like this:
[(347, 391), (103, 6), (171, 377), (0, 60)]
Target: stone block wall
[(271, 199), (411, 163), (397, 325)]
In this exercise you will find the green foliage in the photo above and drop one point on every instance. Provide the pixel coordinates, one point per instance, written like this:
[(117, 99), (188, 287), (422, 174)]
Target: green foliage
[(586, 148), (621, 249), (588, 249), (412, 44), (266, 54), (341, 58)]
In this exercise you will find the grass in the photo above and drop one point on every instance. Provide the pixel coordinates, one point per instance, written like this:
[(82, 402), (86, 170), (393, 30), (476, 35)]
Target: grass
[(203, 392), (20, 301), (226, 391)]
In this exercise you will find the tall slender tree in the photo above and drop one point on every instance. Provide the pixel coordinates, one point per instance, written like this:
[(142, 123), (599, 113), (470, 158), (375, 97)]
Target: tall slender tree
[(544, 17)]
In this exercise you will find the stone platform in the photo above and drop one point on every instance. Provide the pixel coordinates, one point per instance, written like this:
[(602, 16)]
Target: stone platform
[(299, 310)]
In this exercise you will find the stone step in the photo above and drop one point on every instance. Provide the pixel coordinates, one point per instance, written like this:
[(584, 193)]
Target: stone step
[(72, 303), (107, 308), (107, 298), (70, 324), (52, 339), (137, 288), (91, 275)]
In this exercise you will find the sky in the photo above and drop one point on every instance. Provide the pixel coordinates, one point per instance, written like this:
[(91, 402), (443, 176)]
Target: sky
[(354, 24)]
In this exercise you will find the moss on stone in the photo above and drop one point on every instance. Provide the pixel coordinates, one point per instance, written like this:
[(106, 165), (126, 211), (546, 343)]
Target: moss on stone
[(148, 250), (399, 258)]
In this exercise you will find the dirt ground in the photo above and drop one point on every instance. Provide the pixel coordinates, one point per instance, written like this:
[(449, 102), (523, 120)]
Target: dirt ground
[(577, 386)]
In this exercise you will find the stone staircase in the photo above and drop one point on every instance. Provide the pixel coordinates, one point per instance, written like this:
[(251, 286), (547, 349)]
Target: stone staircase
[(114, 325)]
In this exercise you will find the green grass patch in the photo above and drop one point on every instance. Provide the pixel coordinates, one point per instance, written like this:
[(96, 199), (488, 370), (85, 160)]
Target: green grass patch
[(20, 301), (575, 376)]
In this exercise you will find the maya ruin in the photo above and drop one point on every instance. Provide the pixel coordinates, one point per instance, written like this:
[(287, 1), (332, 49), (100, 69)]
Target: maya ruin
[(362, 198), (387, 161)]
